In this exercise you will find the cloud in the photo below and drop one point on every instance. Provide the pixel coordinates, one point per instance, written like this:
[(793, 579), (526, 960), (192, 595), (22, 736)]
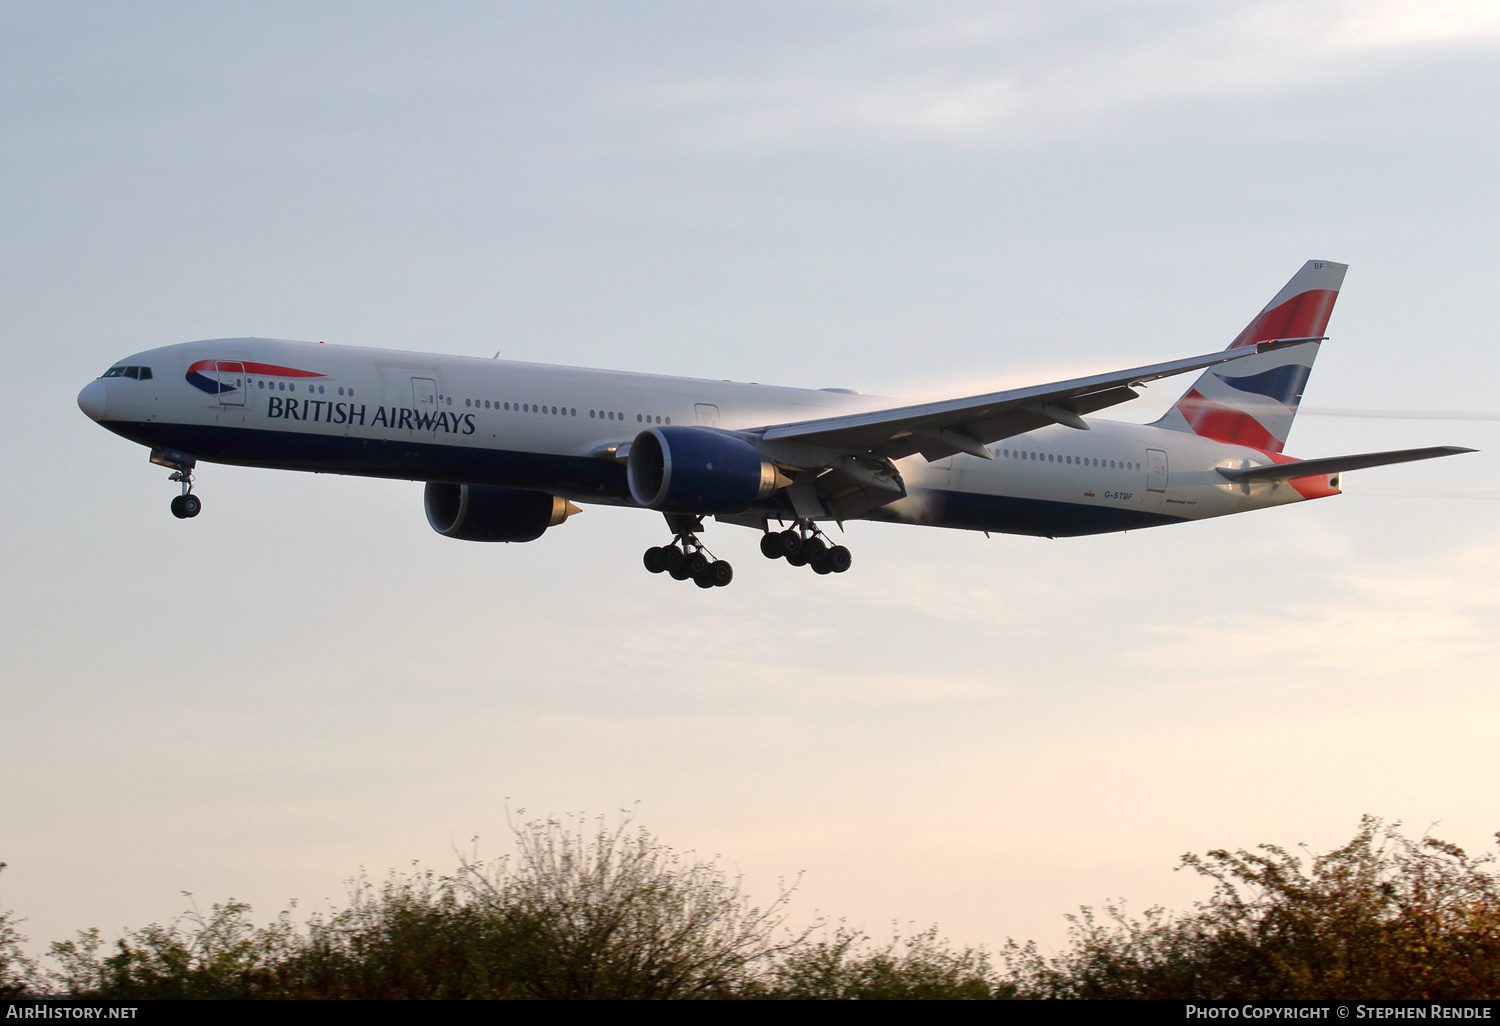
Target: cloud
[(1377, 626), (1050, 71)]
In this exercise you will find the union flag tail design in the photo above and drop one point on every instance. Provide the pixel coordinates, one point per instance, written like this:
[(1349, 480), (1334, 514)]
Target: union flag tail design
[(1252, 401)]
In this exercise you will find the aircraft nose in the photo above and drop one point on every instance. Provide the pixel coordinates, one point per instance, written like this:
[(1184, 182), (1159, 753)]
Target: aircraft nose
[(91, 399)]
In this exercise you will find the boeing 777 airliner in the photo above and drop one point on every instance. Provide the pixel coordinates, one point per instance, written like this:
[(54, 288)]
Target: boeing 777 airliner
[(507, 449)]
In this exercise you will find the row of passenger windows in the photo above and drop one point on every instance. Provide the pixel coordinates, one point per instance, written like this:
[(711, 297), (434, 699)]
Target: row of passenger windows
[(560, 411), (139, 373), (557, 411), (283, 386), (1082, 461)]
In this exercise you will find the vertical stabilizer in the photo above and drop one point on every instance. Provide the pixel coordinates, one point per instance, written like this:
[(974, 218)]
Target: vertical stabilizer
[(1252, 401)]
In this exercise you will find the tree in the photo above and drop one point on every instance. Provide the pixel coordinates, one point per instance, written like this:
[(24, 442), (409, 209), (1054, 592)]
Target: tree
[(574, 913), (19, 976), (850, 967), (221, 955), (613, 913), (1381, 917)]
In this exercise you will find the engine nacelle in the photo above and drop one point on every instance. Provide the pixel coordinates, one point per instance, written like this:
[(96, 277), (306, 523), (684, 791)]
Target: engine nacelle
[(482, 513), (698, 470)]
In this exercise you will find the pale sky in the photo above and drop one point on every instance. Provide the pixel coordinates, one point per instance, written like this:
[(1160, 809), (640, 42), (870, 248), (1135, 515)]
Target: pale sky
[(911, 199)]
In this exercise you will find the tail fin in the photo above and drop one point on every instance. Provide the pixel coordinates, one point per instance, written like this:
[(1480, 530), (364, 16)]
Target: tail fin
[(1252, 401)]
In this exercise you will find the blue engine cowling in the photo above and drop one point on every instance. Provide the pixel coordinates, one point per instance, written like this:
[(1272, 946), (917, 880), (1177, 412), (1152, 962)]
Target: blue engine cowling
[(486, 514), (698, 470)]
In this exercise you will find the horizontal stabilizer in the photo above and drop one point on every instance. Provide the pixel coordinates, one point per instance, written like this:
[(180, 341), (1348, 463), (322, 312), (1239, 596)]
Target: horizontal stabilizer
[(1339, 464)]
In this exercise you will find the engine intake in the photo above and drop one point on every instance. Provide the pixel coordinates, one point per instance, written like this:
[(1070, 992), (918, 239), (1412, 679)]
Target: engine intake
[(485, 514), (698, 470)]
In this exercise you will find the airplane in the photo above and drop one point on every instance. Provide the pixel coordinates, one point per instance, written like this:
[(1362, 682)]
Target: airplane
[(507, 450)]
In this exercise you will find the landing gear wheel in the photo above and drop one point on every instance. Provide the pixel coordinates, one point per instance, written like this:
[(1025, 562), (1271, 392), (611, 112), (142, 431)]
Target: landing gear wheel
[(720, 573), (837, 561), (653, 560), (770, 545), (697, 565), (191, 505), (177, 510), (814, 551), (672, 559), (791, 544)]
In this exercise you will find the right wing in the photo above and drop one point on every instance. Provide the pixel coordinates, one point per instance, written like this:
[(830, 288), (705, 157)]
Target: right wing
[(941, 429)]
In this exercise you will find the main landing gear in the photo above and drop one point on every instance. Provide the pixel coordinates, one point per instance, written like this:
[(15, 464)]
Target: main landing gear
[(686, 558), (803, 544)]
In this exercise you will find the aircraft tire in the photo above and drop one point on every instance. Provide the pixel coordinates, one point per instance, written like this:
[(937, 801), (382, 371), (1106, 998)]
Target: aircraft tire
[(177, 510), (720, 573), (191, 505), (814, 551), (697, 565), (791, 543), (653, 560), (770, 545), (704, 580), (838, 559), (672, 558)]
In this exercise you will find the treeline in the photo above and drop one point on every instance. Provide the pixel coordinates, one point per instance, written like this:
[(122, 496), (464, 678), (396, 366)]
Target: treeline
[(612, 913)]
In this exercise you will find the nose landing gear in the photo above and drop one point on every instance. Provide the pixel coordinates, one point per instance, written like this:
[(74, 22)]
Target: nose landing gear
[(187, 505), (686, 559), (803, 544)]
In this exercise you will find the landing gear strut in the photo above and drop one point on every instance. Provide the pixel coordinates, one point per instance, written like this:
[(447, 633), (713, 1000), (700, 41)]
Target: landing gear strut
[(686, 558), (803, 544), (187, 505)]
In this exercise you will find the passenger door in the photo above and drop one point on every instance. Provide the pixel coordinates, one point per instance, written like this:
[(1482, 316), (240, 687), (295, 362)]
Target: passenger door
[(1156, 470), (231, 378), (424, 394)]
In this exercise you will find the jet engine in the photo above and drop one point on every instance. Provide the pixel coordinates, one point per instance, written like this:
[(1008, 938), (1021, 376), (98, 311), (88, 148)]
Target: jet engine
[(698, 470), (482, 513)]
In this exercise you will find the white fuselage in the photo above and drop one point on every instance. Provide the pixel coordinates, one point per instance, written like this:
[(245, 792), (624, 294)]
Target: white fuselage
[(419, 416)]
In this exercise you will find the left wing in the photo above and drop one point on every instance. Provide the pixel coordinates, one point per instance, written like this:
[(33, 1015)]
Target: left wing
[(940, 429)]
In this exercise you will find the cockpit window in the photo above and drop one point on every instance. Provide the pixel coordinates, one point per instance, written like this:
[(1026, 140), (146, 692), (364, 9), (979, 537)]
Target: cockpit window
[(139, 373)]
